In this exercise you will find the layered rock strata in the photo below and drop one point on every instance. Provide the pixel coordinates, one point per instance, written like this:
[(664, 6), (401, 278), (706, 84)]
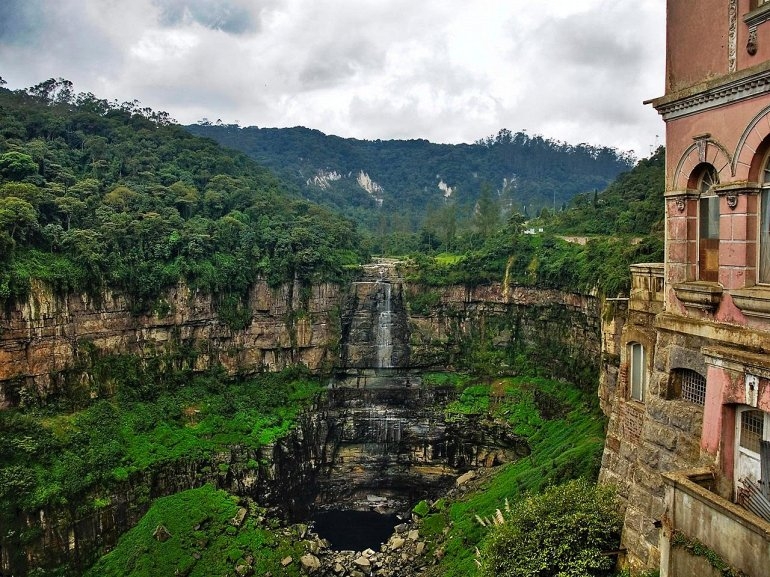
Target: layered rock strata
[(42, 338)]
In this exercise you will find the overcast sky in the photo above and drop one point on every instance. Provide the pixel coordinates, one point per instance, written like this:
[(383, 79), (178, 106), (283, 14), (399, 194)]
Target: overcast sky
[(444, 70)]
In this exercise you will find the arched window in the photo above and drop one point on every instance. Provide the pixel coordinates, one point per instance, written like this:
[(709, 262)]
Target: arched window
[(708, 224), (637, 371), (763, 268)]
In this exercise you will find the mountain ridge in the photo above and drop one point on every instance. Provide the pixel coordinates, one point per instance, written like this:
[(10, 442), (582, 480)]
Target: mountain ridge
[(412, 177)]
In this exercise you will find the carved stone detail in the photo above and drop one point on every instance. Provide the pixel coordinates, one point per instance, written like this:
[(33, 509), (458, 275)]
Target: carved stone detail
[(680, 204), (702, 145), (751, 44), (732, 201), (732, 35), (732, 91)]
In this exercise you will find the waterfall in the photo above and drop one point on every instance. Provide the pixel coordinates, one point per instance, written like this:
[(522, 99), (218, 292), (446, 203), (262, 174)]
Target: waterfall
[(375, 325), (383, 337)]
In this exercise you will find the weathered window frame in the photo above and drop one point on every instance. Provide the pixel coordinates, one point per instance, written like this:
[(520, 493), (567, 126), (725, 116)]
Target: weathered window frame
[(637, 372), (708, 224)]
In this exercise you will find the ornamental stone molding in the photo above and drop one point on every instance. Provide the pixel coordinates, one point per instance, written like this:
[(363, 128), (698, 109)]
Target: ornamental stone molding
[(751, 140), (752, 20), (732, 36), (732, 190), (703, 150), (680, 198), (694, 101)]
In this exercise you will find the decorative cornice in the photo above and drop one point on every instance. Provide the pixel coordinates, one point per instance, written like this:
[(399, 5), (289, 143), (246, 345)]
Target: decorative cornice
[(757, 16), (732, 91)]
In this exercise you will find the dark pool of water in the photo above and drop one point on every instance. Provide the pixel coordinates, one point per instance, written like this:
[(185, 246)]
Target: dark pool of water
[(354, 530)]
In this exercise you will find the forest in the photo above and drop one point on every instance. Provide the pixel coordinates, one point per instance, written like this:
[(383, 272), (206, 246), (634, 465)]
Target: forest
[(622, 225), (97, 194), (411, 182)]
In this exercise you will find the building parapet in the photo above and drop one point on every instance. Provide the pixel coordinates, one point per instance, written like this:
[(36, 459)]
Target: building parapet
[(647, 287), (696, 515)]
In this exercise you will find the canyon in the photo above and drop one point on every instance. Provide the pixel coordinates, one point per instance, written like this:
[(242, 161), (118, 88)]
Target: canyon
[(378, 439)]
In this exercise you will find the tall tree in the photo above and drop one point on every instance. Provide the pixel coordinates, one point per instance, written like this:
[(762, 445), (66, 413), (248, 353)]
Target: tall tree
[(486, 215)]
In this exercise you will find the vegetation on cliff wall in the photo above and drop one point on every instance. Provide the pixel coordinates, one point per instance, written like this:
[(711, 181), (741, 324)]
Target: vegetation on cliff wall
[(156, 415), (494, 338), (97, 194), (566, 437), (198, 533)]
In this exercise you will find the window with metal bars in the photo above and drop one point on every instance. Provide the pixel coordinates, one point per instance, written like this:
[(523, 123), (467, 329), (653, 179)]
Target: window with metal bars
[(687, 385), (752, 430), (693, 387)]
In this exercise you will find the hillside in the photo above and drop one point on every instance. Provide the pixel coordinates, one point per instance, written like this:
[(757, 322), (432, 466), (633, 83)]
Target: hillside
[(394, 185), (97, 194), (623, 225), (632, 204)]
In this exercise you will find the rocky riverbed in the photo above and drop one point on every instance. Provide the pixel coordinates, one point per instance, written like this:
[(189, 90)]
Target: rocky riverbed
[(412, 550)]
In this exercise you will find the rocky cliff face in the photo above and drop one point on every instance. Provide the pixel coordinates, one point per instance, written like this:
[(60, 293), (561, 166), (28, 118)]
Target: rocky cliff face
[(281, 475), (547, 328), (389, 444), (41, 339), (380, 439), (322, 327), (375, 326)]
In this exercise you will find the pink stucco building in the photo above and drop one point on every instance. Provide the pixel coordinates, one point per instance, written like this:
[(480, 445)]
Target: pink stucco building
[(689, 404)]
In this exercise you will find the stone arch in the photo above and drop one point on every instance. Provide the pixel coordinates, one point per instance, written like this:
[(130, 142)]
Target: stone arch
[(752, 145), (703, 151)]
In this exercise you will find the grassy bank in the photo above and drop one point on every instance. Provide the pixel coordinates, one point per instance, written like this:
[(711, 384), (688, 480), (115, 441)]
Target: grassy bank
[(566, 436), (198, 533)]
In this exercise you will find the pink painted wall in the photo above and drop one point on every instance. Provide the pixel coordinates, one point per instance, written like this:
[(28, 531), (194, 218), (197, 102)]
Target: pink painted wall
[(702, 32), (705, 33), (725, 125), (746, 60)]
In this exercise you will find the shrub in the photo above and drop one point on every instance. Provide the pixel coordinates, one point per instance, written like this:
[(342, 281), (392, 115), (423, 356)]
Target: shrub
[(561, 532)]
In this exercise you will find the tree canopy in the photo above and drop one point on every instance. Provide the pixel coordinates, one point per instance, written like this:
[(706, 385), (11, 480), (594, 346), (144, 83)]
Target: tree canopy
[(104, 194), (407, 180), (565, 531)]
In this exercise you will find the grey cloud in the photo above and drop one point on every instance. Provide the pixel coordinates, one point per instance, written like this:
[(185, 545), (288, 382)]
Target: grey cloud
[(587, 41), (21, 21), (231, 16), (334, 62), (373, 69), (52, 39)]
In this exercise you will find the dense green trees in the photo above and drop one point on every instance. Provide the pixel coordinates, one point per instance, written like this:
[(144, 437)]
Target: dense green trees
[(565, 531), (96, 193), (417, 178), (623, 225), (632, 204)]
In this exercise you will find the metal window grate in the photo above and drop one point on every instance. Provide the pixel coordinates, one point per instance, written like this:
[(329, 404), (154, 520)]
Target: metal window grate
[(752, 424), (693, 387)]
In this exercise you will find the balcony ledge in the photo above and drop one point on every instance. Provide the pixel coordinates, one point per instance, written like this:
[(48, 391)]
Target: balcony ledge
[(753, 301), (699, 295)]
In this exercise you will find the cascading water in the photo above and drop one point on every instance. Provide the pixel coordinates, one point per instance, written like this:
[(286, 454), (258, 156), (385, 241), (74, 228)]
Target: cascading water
[(375, 326), (384, 339), (386, 443)]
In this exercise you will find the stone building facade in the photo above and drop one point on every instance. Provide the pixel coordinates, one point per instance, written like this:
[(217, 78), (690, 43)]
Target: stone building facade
[(689, 403)]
